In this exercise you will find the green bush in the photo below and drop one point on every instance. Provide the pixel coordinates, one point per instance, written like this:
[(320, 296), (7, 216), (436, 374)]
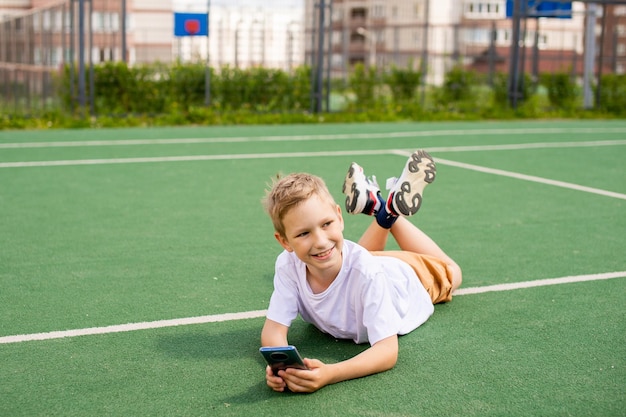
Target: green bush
[(563, 92), (612, 97), (403, 83), (457, 86), (299, 90), (158, 88), (174, 94), (363, 83), (119, 89), (501, 92), (186, 85)]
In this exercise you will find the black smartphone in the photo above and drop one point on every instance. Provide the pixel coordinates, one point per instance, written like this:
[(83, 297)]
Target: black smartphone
[(282, 357)]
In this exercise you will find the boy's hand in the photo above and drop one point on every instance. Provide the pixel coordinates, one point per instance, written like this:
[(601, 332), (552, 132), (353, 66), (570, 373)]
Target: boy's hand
[(310, 380), (297, 380), (274, 382)]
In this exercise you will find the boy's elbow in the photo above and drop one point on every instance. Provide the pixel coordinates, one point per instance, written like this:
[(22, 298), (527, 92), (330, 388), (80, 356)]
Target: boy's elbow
[(392, 362), (391, 358)]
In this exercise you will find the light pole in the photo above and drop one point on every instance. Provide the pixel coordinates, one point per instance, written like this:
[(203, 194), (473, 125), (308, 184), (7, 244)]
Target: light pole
[(371, 45)]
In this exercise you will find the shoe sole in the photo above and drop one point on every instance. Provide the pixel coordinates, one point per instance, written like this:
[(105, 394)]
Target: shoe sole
[(419, 171), (353, 205)]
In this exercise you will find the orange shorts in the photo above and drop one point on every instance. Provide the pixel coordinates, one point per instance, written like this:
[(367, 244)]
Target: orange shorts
[(435, 275)]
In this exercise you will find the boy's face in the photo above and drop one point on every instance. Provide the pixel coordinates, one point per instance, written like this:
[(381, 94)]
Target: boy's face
[(314, 232)]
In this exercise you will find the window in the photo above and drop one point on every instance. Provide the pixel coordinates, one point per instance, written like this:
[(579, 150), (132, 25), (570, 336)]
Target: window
[(417, 10), (417, 38), (97, 21), (379, 36), (358, 13), (479, 36), (337, 60), (483, 10), (105, 21), (337, 15), (357, 38), (378, 11), (47, 20), (55, 56), (115, 21)]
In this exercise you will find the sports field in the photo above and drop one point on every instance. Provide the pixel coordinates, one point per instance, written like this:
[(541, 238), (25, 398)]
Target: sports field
[(136, 264)]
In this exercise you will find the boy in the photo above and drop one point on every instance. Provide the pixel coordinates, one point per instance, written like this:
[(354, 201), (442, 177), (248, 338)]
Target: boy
[(353, 291)]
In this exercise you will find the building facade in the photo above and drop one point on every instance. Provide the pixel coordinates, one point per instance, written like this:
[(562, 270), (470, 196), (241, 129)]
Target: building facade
[(46, 32), (438, 35)]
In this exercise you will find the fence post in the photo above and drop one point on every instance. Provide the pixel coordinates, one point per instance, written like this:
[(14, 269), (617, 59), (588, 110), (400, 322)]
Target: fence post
[(513, 81), (81, 54), (207, 74), (590, 54), (424, 63)]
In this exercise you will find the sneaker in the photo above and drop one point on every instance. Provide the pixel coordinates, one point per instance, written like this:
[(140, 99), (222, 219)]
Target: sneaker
[(405, 193), (361, 191)]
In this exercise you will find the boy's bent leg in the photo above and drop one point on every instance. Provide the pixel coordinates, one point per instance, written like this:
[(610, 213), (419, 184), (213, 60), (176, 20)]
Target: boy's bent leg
[(411, 239)]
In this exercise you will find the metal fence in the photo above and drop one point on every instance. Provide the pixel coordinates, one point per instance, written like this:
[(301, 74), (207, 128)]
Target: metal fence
[(34, 47)]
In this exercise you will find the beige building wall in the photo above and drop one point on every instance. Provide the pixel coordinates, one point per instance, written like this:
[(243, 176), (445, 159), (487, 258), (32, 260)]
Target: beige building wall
[(151, 31), (242, 36), (396, 32)]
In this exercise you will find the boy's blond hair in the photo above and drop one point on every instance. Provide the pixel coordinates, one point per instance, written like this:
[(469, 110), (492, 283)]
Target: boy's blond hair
[(289, 191)]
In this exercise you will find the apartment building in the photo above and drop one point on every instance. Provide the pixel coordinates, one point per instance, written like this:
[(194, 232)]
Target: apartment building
[(45, 32), (613, 34), (436, 35)]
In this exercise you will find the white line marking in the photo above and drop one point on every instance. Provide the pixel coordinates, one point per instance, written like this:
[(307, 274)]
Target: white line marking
[(188, 158), (295, 138), (519, 176), (531, 178), (261, 313), (308, 155), (522, 146), (539, 283), (133, 327)]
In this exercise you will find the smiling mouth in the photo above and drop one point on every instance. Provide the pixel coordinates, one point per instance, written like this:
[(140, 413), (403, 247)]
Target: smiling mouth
[(324, 254)]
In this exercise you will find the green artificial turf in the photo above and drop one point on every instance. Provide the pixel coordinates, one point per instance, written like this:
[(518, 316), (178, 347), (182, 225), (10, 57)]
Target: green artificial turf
[(103, 244)]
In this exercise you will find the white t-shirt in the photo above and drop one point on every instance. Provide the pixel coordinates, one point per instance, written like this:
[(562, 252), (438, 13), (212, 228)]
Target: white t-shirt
[(372, 298)]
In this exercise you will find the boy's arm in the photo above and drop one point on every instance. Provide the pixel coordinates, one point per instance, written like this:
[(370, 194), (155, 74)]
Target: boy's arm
[(378, 358), (274, 334)]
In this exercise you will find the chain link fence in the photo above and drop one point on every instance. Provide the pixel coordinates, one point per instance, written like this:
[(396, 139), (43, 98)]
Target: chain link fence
[(35, 47)]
